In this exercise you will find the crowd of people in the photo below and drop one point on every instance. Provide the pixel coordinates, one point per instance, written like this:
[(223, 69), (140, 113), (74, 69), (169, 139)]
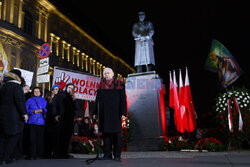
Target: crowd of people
[(34, 127), (31, 126)]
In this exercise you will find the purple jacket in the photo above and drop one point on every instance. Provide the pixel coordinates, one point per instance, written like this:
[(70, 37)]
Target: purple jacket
[(35, 103)]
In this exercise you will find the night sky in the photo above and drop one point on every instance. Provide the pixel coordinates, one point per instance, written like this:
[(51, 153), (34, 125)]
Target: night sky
[(183, 34)]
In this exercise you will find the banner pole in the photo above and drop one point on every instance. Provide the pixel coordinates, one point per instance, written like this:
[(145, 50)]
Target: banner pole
[(43, 87)]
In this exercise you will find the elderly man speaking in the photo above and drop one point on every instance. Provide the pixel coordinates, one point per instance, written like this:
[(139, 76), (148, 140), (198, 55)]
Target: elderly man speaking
[(112, 104)]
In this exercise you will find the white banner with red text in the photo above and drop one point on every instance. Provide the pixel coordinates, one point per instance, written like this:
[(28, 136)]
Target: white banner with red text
[(86, 85)]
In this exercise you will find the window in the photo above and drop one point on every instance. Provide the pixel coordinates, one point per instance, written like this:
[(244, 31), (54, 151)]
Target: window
[(28, 23)]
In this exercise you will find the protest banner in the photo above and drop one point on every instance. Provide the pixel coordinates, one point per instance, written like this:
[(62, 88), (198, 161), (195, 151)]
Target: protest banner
[(86, 85), (27, 75)]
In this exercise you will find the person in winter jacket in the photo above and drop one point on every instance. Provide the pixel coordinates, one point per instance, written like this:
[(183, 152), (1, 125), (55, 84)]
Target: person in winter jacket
[(36, 107), (13, 114)]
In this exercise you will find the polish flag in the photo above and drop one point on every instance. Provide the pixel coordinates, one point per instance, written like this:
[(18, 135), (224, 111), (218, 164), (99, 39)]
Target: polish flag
[(177, 115), (183, 119), (171, 91), (175, 92), (86, 108), (190, 110)]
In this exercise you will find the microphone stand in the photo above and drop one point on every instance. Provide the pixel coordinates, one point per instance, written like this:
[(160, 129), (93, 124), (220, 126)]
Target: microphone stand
[(98, 156)]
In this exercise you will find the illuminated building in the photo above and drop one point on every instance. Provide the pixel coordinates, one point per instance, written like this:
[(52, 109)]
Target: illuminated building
[(26, 24)]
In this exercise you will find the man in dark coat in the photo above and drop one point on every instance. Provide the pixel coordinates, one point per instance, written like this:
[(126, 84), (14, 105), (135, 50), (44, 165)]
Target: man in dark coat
[(112, 103), (13, 114), (64, 108)]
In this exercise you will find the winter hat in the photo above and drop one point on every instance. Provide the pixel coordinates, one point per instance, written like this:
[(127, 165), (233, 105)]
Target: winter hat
[(69, 84), (54, 86), (17, 72)]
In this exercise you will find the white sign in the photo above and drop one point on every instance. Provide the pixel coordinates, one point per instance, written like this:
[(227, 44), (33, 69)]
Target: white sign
[(44, 62), (86, 86), (27, 75), (43, 78), (43, 69)]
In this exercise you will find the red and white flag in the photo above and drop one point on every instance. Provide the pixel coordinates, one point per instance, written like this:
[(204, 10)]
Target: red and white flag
[(183, 119), (86, 108), (171, 91), (175, 92), (190, 110), (177, 114)]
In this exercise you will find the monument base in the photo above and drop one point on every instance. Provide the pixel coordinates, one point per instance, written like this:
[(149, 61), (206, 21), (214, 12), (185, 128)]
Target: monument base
[(145, 144), (146, 110)]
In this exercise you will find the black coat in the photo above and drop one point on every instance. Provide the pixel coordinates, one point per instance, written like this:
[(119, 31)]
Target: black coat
[(64, 106), (112, 104), (12, 105), (50, 118)]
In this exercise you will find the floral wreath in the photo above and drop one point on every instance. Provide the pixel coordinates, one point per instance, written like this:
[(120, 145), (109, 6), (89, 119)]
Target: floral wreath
[(233, 115), (175, 143), (210, 144), (126, 131), (91, 145)]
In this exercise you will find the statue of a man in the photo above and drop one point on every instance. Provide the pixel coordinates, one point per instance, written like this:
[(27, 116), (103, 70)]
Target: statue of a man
[(144, 53)]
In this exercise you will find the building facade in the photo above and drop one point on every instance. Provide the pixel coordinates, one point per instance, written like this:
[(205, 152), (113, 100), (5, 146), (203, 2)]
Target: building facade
[(27, 24)]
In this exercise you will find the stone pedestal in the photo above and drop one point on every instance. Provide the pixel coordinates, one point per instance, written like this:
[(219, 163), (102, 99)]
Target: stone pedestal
[(146, 110)]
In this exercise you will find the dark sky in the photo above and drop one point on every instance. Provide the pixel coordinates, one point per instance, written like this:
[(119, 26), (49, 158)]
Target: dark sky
[(183, 34)]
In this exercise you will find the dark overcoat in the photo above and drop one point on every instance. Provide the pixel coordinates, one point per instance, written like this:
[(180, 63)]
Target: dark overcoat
[(12, 105), (64, 106), (112, 105)]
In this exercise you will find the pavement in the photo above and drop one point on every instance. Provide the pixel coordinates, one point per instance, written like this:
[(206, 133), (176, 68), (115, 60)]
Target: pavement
[(149, 159)]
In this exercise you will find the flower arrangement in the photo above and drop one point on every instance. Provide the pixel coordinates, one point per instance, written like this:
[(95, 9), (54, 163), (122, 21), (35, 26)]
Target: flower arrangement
[(91, 145), (177, 143), (233, 115), (126, 132), (210, 144)]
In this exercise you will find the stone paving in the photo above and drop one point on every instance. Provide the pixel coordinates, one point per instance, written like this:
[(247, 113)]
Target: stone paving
[(149, 159), (170, 154)]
